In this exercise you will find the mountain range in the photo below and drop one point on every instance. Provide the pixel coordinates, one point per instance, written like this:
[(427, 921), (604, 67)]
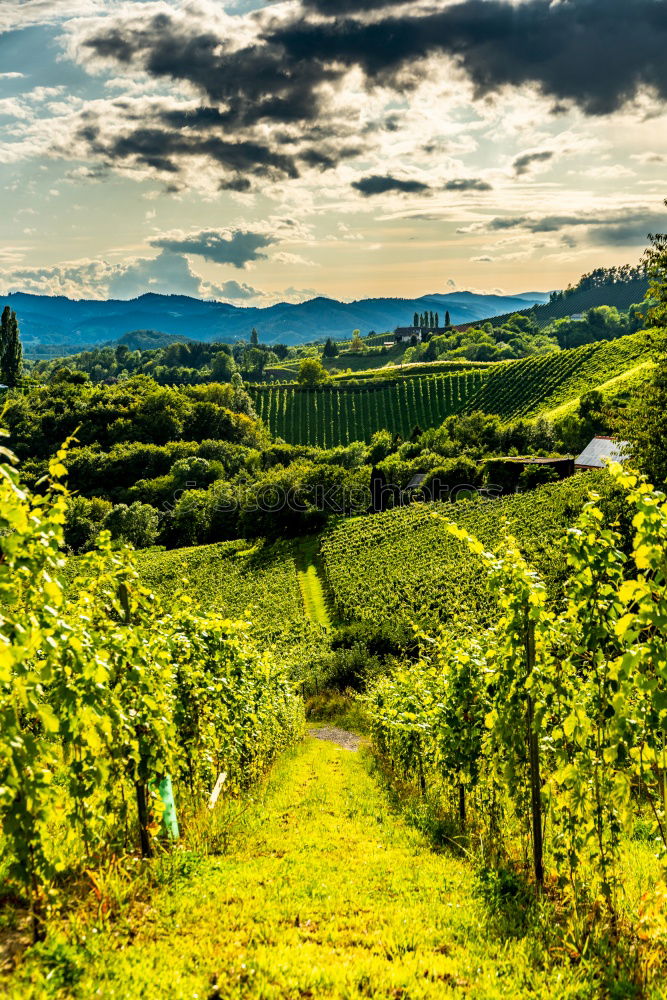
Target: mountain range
[(53, 325)]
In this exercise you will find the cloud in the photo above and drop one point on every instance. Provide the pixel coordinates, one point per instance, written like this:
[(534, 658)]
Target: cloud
[(564, 49), (163, 148), (278, 89), (481, 260), (523, 164), (616, 227), (234, 247), (648, 157), (233, 290), (376, 184), (467, 184), (16, 14), (168, 274)]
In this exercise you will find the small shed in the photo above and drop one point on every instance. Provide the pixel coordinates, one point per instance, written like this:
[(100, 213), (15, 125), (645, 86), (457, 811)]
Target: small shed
[(416, 481), (601, 450)]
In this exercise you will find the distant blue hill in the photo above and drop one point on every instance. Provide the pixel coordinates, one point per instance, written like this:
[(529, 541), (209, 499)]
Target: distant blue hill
[(55, 324)]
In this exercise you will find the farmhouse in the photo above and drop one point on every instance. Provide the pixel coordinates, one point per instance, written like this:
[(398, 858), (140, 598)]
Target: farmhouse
[(403, 333), (601, 450)]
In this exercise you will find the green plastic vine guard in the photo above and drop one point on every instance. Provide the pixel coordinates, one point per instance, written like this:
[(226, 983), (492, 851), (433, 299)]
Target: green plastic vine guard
[(169, 818)]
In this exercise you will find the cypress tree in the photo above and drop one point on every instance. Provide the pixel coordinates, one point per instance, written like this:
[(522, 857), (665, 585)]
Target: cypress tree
[(254, 339), (448, 321), (11, 351), (437, 321), (415, 321), (431, 320)]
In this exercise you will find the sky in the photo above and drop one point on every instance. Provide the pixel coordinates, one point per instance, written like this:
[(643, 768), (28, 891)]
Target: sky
[(256, 153)]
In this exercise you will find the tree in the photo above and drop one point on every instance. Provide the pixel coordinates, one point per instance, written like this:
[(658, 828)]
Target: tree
[(137, 524), (437, 321), (448, 321), (655, 259), (311, 372), (357, 342), (254, 339), (330, 349), (431, 320), (415, 321), (11, 351), (254, 361)]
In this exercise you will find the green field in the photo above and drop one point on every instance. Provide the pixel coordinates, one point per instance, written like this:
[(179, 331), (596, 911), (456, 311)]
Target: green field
[(399, 399)]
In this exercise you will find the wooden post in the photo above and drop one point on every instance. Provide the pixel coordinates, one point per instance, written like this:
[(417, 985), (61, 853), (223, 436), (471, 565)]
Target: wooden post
[(142, 812), (534, 756), (420, 767), (462, 803)]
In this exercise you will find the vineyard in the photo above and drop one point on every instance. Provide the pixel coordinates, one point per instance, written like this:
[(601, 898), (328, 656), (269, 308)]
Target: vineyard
[(340, 412), (527, 387), (401, 566), (258, 584)]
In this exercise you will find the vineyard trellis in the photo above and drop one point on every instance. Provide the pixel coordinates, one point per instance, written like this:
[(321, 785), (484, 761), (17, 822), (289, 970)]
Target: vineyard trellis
[(104, 690), (550, 711)]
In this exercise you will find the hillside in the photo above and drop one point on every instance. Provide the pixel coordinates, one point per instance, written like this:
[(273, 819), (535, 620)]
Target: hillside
[(49, 322), (342, 411), (403, 567), (146, 340), (531, 386), (619, 294), (243, 582)]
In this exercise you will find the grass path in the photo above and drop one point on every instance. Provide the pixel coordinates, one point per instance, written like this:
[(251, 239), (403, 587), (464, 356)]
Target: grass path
[(328, 893), (310, 583), (625, 380)]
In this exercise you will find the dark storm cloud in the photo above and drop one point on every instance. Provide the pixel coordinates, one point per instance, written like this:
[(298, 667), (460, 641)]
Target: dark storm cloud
[(163, 150), (523, 163), (334, 8), (376, 184), (567, 49), (467, 184), (594, 53), (237, 248)]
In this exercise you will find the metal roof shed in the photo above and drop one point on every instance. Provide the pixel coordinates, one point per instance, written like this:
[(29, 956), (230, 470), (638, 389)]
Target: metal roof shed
[(600, 450)]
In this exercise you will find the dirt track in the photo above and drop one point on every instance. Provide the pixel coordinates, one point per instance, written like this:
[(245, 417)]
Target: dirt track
[(335, 735)]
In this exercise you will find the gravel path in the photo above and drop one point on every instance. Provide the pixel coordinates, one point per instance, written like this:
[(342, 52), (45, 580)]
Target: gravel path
[(335, 735)]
